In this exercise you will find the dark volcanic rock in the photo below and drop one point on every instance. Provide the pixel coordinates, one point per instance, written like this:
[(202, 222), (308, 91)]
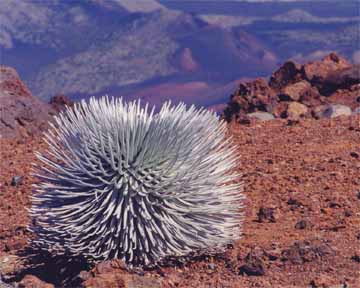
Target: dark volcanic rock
[(59, 102), (341, 79), (303, 224), (289, 72), (16, 180), (266, 215), (306, 251), (254, 263), (20, 112), (356, 258)]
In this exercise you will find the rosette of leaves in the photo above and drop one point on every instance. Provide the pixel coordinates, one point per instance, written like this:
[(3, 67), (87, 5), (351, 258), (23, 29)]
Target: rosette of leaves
[(121, 181)]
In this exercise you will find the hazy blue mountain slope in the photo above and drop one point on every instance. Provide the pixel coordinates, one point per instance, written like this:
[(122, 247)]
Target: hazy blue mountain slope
[(91, 47)]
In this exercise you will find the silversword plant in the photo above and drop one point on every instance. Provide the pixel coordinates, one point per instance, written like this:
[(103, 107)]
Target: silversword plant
[(120, 181)]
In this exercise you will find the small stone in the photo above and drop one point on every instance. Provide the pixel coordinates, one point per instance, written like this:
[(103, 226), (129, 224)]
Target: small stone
[(253, 269), (294, 202), (273, 254), (266, 214), (348, 213), (211, 266), (9, 265), (334, 204), (263, 116), (292, 122), (356, 110), (303, 224), (16, 180), (354, 155), (336, 110), (33, 282), (356, 258), (358, 236)]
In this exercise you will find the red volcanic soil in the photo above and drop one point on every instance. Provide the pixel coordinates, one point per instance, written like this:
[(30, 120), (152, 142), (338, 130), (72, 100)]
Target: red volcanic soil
[(301, 226)]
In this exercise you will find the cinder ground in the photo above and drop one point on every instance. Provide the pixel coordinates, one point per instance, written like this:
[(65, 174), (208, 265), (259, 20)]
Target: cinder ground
[(305, 176)]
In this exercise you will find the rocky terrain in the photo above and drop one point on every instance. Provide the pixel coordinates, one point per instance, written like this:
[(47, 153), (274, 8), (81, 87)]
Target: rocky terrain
[(326, 88), (301, 226), (20, 112), (301, 176)]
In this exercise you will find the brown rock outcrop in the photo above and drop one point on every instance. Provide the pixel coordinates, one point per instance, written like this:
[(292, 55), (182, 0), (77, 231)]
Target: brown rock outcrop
[(11, 84), (20, 112), (317, 72), (251, 97), (289, 72), (295, 90)]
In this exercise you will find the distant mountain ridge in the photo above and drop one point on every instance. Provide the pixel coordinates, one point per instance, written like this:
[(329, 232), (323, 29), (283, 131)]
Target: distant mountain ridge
[(123, 47)]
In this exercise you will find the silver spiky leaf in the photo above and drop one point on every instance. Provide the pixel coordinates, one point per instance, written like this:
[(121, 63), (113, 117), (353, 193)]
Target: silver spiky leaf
[(119, 181)]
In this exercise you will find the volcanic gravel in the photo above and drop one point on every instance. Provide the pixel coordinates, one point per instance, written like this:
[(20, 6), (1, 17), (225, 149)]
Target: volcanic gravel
[(302, 216)]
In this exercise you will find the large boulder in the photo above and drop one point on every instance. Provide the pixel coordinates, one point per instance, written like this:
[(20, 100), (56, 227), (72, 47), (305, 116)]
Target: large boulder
[(298, 91), (263, 116), (20, 112), (317, 72), (289, 72), (349, 97), (341, 79), (332, 111), (296, 110), (251, 97)]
